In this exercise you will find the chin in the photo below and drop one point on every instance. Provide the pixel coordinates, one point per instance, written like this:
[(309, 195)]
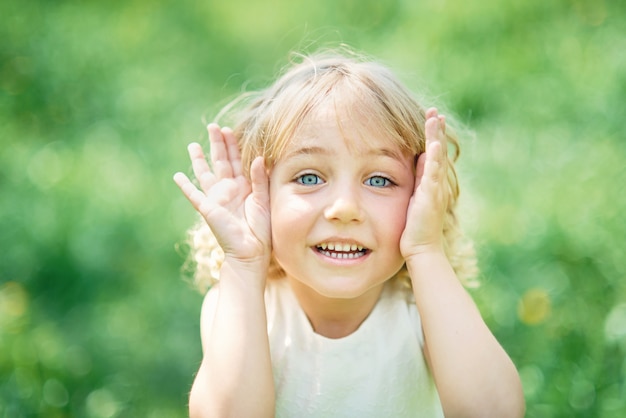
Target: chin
[(343, 288)]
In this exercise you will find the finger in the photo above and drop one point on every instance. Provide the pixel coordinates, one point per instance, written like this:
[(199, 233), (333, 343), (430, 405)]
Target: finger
[(425, 159), (435, 147), (442, 134), (200, 167), (432, 129), (190, 191), (431, 113), (181, 179), (435, 127), (212, 209), (219, 153), (232, 148), (430, 180), (434, 167)]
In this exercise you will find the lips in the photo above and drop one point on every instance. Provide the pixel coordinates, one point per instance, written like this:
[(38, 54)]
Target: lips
[(340, 250)]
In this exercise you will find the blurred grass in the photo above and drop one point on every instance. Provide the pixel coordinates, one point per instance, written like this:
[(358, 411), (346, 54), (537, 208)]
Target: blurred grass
[(98, 100)]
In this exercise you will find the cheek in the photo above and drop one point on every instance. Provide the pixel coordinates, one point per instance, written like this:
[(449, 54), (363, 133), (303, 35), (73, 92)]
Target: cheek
[(289, 219), (394, 218), (394, 230), (396, 226), (287, 214)]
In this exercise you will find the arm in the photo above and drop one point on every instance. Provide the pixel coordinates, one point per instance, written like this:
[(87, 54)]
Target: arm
[(235, 377), (474, 375)]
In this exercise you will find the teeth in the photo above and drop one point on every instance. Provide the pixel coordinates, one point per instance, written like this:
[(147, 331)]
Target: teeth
[(343, 256), (340, 250)]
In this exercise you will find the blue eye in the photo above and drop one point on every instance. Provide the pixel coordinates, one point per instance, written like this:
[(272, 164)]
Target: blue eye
[(378, 181), (309, 179)]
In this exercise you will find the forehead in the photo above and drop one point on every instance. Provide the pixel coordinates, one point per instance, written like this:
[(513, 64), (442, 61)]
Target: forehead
[(332, 125)]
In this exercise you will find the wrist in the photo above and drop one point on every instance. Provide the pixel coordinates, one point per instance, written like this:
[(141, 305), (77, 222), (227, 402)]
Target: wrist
[(424, 250), (251, 274), (427, 262)]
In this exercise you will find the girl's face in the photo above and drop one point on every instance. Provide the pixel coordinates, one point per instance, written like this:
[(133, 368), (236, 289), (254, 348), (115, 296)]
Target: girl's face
[(339, 198)]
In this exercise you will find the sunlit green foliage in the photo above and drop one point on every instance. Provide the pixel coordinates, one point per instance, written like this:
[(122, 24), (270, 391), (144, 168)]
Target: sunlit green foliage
[(98, 100)]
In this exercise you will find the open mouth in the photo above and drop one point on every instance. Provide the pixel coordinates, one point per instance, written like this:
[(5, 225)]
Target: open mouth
[(341, 251)]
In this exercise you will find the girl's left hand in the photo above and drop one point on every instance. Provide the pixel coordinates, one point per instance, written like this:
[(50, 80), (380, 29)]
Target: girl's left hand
[(427, 208)]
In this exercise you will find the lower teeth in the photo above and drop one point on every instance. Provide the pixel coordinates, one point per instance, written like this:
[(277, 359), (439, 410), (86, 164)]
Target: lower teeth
[(342, 255)]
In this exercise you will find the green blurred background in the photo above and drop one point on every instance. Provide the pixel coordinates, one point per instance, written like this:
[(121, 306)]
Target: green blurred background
[(98, 100)]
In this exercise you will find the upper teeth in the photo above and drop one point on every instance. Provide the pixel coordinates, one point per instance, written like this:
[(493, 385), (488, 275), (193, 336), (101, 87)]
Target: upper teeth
[(340, 247)]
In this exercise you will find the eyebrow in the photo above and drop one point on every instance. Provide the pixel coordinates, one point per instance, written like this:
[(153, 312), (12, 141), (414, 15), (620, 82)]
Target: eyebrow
[(384, 152), (307, 151)]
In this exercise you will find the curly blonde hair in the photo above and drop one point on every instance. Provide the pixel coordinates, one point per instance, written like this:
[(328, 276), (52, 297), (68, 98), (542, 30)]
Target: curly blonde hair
[(265, 121)]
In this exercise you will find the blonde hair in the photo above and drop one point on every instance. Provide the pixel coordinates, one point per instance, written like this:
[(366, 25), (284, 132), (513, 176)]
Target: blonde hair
[(264, 122)]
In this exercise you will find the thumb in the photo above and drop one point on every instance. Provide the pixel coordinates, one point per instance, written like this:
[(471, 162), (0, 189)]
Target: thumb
[(259, 182), (419, 169), (258, 202)]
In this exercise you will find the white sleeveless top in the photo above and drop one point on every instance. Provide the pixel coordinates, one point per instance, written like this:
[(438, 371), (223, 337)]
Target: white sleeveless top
[(377, 371)]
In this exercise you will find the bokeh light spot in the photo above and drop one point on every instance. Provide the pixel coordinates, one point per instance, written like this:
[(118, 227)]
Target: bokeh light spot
[(534, 306), (13, 300), (582, 394), (49, 346), (102, 404), (78, 361), (48, 166), (55, 393), (532, 380), (615, 324), (25, 382), (24, 353)]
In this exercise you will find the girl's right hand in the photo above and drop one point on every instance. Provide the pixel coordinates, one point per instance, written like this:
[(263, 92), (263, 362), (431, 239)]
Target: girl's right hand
[(236, 210)]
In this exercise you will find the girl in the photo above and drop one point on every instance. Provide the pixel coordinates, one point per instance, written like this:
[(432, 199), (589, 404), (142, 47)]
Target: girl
[(329, 218)]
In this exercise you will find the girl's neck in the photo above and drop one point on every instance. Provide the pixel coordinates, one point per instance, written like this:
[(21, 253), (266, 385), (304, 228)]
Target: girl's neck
[(334, 317)]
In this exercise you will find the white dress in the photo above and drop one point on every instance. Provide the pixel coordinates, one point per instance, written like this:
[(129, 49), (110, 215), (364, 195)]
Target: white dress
[(377, 371)]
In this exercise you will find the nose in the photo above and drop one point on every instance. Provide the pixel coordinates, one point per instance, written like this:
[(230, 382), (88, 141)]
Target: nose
[(344, 205)]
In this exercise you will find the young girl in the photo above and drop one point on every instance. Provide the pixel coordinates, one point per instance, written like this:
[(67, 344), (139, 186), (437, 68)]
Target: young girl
[(329, 219)]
